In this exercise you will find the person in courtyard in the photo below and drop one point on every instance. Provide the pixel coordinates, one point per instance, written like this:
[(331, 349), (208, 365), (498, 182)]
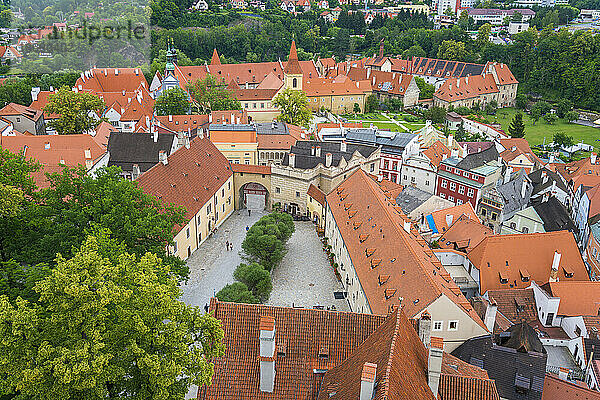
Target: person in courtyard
[(247, 228), (227, 245)]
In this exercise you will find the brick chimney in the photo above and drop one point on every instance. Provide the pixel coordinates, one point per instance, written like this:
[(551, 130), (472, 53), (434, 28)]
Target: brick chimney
[(434, 364), (367, 381), (328, 159), (267, 353), (554, 270)]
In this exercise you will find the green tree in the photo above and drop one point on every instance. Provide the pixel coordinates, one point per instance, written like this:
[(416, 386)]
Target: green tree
[(426, 90), (265, 249), (75, 111), (517, 127), (10, 200), (58, 219), (563, 107), (6, 18), (237, 292), (256, 278), (571, 116), (452, 50), (436, 114), (521, 101), (491, 107), (483, 35), (356, 108), (293, 105), (172, 102), (535, 114), (107, 324), (551, 118), (561, 139), (371, 103), (209, 94)]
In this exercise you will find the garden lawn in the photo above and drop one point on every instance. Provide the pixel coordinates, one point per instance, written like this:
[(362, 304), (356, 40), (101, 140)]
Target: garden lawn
[(535, 134)]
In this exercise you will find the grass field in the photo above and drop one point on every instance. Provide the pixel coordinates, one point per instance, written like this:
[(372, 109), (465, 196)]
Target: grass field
[(381, 122), (535, 134)]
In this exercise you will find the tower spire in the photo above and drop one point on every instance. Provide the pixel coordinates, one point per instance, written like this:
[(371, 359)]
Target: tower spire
[(215, 60)]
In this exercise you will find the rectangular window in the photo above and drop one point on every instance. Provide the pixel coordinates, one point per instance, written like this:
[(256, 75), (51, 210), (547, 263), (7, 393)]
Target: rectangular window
[(222, 192), (459, 202), (444, 183), (277, 190), (372, 167), (438, 325), (470, 192), (297, 194), (199, 220), (461, 189), (452, 325), (494, 216), (452, 186), (483, 212), (395, 165), (451, 198), (187, 232), (426, 183), (247, 162), (208, 209), (443, 195)]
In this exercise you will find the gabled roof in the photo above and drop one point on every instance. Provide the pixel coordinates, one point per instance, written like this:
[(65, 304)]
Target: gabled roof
[(575, 169), (555, 215), (127, 149), (111, 80), (21, 110), (42, 100), (455, 89), (437, 152), (576, 298), (363, 213), (306, 158), (190, 178), (537, 179), (411, 198), (514, 257), (464, 234), (444, 68), (440, 217), (475, 160), (516, 305), (556, 388), (327, 87), (316, 194)]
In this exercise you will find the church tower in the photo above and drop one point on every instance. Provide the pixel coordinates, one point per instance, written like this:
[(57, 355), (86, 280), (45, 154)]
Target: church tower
[(171, 58), (292, 70)]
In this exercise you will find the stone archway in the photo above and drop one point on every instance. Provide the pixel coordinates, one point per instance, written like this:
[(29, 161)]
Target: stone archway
[(254, 196)]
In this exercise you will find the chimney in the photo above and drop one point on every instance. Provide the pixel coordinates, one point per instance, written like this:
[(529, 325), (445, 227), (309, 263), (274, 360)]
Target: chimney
[(592, 156), (407, 226), (554, 270), (523, 188), (499, 161), (467, 79), (551, 159), (479, 149), (490, 316), (458, 83), (186, 142), (434, 364), (343, 147), (318, 151), (210, 118), (328, 159), (465, 151), (563, 373), (553, 190), (449, 218), (513, 148), (292, 160), (450, 137), (453, 153), (155, 135), (273, 125), (425, 328), (267, 353), (367, 381), (170, 118), (136, 172), (36, 90), (507, 174), (162, 157)]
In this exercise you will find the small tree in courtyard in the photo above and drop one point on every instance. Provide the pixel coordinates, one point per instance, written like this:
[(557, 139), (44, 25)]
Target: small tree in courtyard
[(237, 292), (293, 105), (517, 127)]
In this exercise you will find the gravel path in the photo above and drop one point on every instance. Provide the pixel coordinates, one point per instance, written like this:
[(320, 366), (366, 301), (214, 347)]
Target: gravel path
[(304, 278)]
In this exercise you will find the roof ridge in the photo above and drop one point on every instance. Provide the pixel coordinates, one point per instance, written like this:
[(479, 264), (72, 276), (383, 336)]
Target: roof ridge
[(388, 368)]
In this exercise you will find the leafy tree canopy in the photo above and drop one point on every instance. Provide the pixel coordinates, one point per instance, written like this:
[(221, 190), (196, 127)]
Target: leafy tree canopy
[(172, 102), (74, 111), (209, 94), (293, 105)]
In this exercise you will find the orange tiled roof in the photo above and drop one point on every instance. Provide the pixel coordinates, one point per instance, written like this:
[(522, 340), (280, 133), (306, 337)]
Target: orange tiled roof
[(255, 94), (53, 151), (276, 142), (361, 207), (328, 87), (556, 388), (252, 169), (454, 89), (575, 169), (576, 298), (247, 136), (334, 125), (42, 100), (530, 254), (190, 178), (18, 109), (436, 152), (439, 217), (316, 194), (179, 123), (521, 147), (515, 304), (464, 233), (112, 80), (293, 66)]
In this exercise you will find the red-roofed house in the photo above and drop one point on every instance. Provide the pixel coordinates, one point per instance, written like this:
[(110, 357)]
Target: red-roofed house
[(419, 169), (24, 119), (293, 354), (361, 223), (199, 178)]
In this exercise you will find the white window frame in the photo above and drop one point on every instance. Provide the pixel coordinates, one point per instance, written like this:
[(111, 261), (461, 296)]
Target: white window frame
[(441, 326), (450, 323), (444, 183)]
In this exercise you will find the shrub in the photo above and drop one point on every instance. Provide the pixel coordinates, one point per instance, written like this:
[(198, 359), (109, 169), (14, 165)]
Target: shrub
[(256, 278), (266, 249), (236, 292), (462, 110)]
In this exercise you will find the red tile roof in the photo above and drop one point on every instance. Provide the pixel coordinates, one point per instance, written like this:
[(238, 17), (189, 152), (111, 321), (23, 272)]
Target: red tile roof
[(53, 151), (42, 100), (575, 169), (514, 255), (112, 80), (190, 178), (437, 152), (293, 66), (576, 298), (556, 388), (252, 169), (361, 207), (316, 194), (516, 305), (18, 109), (454, 89), (332, 351), (464, 233), (328, 87), (439, 217)]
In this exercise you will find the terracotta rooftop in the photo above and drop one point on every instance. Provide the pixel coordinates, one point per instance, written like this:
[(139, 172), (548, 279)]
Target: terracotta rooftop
[(437, 152), (252, 169), (576, 298), (513, 261), (111, 80), (316, 194), (556, 388), (440, 217), (464, 234), (18, 109), (575, 169), (386, 349), (190, 178), (361, 207)]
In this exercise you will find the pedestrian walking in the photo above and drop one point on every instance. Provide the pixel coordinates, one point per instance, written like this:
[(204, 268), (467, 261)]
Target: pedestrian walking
[(249, 211), (227, 245), (206, 307), (247, 228)]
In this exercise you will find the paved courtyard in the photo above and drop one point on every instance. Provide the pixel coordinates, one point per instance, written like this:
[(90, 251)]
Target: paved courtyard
[(304, 278)]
